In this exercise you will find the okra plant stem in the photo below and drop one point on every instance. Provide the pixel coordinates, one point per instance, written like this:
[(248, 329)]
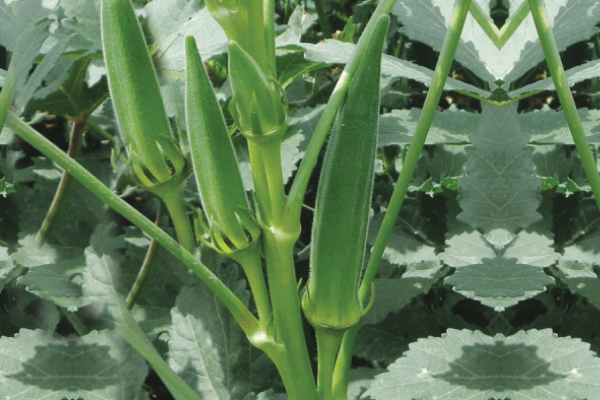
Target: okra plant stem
[(145, 269), (292, 361), (544, 28), (62, 191), (176, 204), (328, 342), (238, 309), (442, 69), (250, 260)]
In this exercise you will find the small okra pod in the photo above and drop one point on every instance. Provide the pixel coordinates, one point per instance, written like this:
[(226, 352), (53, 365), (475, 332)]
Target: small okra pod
[(258, 105), (330, 298), (232, 225), (154, 156)]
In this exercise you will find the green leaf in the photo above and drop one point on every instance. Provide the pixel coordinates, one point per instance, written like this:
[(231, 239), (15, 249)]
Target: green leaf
[(579, 259), (449, 126), (406, 249), (97, 366), (7, 267), (392, 295), (550, 127), (499, 282), (336, 52), (73, 97), (426, 21), (170, 21), (470, 365), (574, 75), (498, 191), (574, 21), (209, 350), (470, 247)]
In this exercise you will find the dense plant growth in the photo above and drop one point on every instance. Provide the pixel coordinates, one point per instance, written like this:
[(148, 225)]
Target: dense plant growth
[(384, 200)]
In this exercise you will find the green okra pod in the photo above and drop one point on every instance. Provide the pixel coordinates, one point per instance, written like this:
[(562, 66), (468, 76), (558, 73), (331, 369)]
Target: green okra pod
[(258, 105), (330, 298), (232, 226), (154, 156)]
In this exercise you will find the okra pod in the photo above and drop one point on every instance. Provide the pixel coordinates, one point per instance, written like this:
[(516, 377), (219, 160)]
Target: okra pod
[(330, 298), (154, 156), (258, 105), (232, 226)]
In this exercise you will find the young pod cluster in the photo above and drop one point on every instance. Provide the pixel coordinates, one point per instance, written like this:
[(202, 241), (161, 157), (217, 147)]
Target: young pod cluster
[(330, 298), (232, 225), (154, 157)]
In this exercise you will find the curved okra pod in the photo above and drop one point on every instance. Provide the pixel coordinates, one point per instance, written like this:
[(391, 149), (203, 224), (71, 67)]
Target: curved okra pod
[(155, 158), (330, 299), (232, 226)]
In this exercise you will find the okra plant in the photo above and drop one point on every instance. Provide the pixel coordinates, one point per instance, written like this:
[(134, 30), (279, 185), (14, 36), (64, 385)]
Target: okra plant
[(333, 206)]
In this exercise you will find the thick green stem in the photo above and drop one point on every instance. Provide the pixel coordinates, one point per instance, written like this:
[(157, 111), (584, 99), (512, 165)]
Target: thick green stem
[(328, 344), (292, 362), (250, 260), (265, 159), (238, 309), (176, 205), (544, 28), (436, 88), (62, 191), (341, 372)]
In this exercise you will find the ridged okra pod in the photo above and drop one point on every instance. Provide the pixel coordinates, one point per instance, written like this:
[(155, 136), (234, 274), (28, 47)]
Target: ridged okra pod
[(232, 226), (154, 156), (330, 299)]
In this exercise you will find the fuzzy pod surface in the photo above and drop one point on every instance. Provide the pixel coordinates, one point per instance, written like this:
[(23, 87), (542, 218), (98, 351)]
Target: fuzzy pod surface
[(153, 154), (330, 298), (214, 162)]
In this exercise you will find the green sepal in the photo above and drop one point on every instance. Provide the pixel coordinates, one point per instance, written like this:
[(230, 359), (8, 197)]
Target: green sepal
[(234, 240), (259, 105), (331, 296), (231, 224)]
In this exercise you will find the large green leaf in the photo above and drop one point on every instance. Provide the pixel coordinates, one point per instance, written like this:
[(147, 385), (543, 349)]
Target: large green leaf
[(499, 191), (98, 366), (499, 282), (170, 21), (209, 350), (470, 365)]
